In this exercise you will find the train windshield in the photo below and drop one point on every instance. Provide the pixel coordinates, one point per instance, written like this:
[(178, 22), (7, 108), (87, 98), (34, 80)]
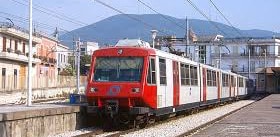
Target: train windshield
[(118, 69)]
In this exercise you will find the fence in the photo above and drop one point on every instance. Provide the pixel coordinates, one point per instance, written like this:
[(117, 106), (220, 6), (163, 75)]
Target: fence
[(13, 83)]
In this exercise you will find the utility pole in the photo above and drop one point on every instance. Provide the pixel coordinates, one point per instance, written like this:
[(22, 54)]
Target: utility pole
[(78, 53), (187, 35), (265, 69), (220, 56), (29, 93), (249, 62)]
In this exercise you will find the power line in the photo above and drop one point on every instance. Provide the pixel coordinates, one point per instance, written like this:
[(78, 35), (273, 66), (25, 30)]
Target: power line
[(177, 24), (25, 20), (203, 14), (60, 14), (129, 16), (53, 14), (226, 18)]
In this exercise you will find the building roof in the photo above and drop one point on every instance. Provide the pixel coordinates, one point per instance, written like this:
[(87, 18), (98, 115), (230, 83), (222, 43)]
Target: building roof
[(209, 38)]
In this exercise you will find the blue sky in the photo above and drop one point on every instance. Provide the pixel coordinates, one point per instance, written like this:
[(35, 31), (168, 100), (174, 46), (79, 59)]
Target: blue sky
[(244, 14)]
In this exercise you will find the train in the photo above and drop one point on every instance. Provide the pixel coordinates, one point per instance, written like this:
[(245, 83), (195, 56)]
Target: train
[(132, 83)]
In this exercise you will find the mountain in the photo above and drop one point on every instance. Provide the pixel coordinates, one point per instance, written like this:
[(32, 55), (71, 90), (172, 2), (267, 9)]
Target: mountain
[(110, 30)]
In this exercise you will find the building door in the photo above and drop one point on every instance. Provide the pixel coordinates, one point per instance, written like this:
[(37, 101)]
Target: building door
[(22, 77), (176, 86), (277, 84)]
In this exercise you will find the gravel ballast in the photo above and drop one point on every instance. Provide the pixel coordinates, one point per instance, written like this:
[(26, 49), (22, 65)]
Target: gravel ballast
[(174, 127), (188, 123)]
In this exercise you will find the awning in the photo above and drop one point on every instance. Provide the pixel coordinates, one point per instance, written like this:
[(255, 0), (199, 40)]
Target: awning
[(269, 70)]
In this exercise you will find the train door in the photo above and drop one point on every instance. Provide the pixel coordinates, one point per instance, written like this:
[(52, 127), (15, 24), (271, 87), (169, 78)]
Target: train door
[(176, 85), (218, 85), (204, 73), (237, 86), (163, 93), (229, 85)]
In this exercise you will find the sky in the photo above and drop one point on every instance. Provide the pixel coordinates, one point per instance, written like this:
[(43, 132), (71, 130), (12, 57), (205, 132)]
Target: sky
[(243, 14)]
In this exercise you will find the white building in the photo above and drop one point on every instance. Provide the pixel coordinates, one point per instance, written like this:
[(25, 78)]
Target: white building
[(87, 48), (14, 49), (233, 55), (62, 57)]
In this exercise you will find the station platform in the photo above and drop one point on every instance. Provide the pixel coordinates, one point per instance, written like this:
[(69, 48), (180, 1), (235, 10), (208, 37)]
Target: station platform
[(39, 119), (260, 119)]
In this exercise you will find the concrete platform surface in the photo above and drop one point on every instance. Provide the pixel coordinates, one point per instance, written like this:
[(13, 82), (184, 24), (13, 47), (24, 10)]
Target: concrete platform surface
[(14, 112), (260, 119)]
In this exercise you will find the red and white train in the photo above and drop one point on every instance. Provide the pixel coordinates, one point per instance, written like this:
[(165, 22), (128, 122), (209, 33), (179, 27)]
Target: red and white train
[(128, 82)]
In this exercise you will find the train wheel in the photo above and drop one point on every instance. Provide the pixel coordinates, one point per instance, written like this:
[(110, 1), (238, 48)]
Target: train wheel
[(124, 119)]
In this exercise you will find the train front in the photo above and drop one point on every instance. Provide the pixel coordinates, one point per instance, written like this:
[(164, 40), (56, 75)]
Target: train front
[(116, 82)]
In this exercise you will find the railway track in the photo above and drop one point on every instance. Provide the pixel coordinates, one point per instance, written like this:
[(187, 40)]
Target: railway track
[(118, 133)]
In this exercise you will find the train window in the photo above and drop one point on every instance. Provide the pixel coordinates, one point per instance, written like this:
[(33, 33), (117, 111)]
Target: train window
[(151, 79), (232, 80), (185, 74), (193, 73), (241, 84), (118, 69), (209, 78), (225, 79), (214, 76), (162, 70)]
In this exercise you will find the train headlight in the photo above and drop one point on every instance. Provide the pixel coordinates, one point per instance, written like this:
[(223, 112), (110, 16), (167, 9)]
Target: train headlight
[(135, 90), (93, 90)]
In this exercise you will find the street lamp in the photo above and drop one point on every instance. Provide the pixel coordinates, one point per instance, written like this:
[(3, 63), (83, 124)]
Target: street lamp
[(154, 34)]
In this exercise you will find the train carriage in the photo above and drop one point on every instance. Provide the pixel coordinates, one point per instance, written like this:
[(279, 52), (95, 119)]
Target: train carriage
[(134, 82)]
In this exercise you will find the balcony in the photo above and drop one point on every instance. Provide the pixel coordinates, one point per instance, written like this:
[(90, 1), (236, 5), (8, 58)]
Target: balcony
[(48, 60), (19, 33), (242, 55), (17, 56)]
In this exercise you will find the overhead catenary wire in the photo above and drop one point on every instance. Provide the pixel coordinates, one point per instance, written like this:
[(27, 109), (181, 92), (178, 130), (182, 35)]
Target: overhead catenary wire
[(227, 20), (25, 20), (59, 14), (131, 17), (54, 14), (166, 18), (204, 15)]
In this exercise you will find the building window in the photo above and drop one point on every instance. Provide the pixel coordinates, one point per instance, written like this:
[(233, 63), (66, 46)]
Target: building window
[(16, 45), (193, 70), (162, 70), (4, 44), (23, 48), (64, 58), (15, 78), (3, 78), (185, 74), (11, 43), (152, 72), (202, 54), (58, 57)]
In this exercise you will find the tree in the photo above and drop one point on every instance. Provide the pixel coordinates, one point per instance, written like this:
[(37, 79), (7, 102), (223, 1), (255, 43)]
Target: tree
[(85, 59)]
